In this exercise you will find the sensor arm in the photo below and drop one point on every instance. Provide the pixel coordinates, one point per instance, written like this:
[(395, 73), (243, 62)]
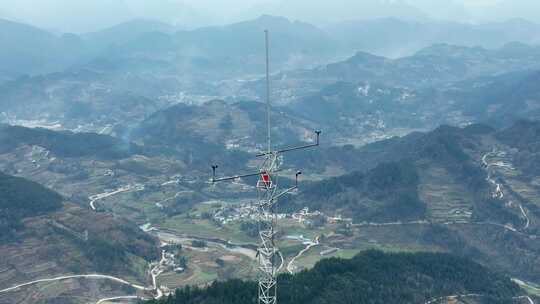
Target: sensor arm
[(318, 133), (289, 189), (222, 179)]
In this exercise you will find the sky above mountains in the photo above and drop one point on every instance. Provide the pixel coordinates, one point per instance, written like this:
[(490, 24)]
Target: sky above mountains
[(91, 15)]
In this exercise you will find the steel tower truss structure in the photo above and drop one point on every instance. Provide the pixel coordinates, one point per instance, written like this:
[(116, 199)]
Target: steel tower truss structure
[(268, 195)]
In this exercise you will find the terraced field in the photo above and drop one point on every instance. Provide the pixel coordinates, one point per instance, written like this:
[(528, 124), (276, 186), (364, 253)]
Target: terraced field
[(448, 199)]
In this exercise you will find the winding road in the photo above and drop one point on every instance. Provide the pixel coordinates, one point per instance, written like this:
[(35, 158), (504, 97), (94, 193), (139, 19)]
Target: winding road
[(528, 299), (473, 295), (505, 227), (290, 266), (498, 187), (117, 298), (155, 272), (525, 216), (282, 261), (81, 276), (97, 197), (453, 297)]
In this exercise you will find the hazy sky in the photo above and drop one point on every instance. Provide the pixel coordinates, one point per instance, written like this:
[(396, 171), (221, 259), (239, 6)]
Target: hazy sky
[(90, 15)]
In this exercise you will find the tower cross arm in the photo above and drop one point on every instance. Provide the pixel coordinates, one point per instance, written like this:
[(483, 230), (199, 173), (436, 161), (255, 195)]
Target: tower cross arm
[(228, 178), (289, 189), (285, 192), (316, 144)]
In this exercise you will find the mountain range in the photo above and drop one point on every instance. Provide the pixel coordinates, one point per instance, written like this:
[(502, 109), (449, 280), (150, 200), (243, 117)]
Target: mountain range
[(395, 37), (295, 44), (429, 144)]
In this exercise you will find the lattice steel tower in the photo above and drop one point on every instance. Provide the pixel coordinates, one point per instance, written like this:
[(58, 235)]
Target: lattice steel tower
[(268, 194)]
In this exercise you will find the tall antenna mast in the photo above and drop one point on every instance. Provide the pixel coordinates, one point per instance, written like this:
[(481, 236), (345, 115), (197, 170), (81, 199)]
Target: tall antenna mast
[(268, 194), (268, 135)]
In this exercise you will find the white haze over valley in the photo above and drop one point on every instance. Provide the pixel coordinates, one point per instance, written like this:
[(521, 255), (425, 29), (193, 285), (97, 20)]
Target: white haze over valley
[(80, 16)]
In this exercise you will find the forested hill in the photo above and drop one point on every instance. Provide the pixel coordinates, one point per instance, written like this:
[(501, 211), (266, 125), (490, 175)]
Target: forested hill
[(370, 277), (20, 198), (386, 193), (65, 143), (25, 197)]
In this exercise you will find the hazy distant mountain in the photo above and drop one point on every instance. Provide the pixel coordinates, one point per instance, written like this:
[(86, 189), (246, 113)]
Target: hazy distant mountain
[(178, 13), (238, 48), (420, 92), (241, 45), (125, 32), (26, 49), (497, 10), (359, 100), (74, 99), (218, 52), (436, 64), (324, 12), (91, 16), (397, 37), (433, 67)]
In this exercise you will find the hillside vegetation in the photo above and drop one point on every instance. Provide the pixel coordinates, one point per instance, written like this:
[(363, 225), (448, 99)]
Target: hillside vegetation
[(20, 198), (386, 193), (43, 236), (370, 277), (65, 144)]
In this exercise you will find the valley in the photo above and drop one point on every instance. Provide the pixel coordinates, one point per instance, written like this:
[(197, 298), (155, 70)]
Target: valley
[(427, 162), (179, 210)]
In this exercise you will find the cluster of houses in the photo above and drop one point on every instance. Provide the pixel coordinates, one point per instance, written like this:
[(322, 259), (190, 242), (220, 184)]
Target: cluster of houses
[(227, 215)]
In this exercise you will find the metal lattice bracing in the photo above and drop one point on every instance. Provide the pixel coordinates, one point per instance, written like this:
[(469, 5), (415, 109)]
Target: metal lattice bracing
[(268, 195), (266, 188)]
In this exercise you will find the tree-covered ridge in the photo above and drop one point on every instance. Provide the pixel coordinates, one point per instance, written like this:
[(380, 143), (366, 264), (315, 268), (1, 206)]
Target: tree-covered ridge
[(387, 177), (20, 198), (370, 277), (66, 144), (525, 137), (387, 192)]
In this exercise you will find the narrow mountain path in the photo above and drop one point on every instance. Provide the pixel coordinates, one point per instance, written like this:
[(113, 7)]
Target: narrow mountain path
[(282, 262), (453, 297), (472, 295), (527, 223), (527, 285), (290, 266), (80, 276), (529, 299), (128, 188), (117, 298), (154, 273), (498, 193)]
